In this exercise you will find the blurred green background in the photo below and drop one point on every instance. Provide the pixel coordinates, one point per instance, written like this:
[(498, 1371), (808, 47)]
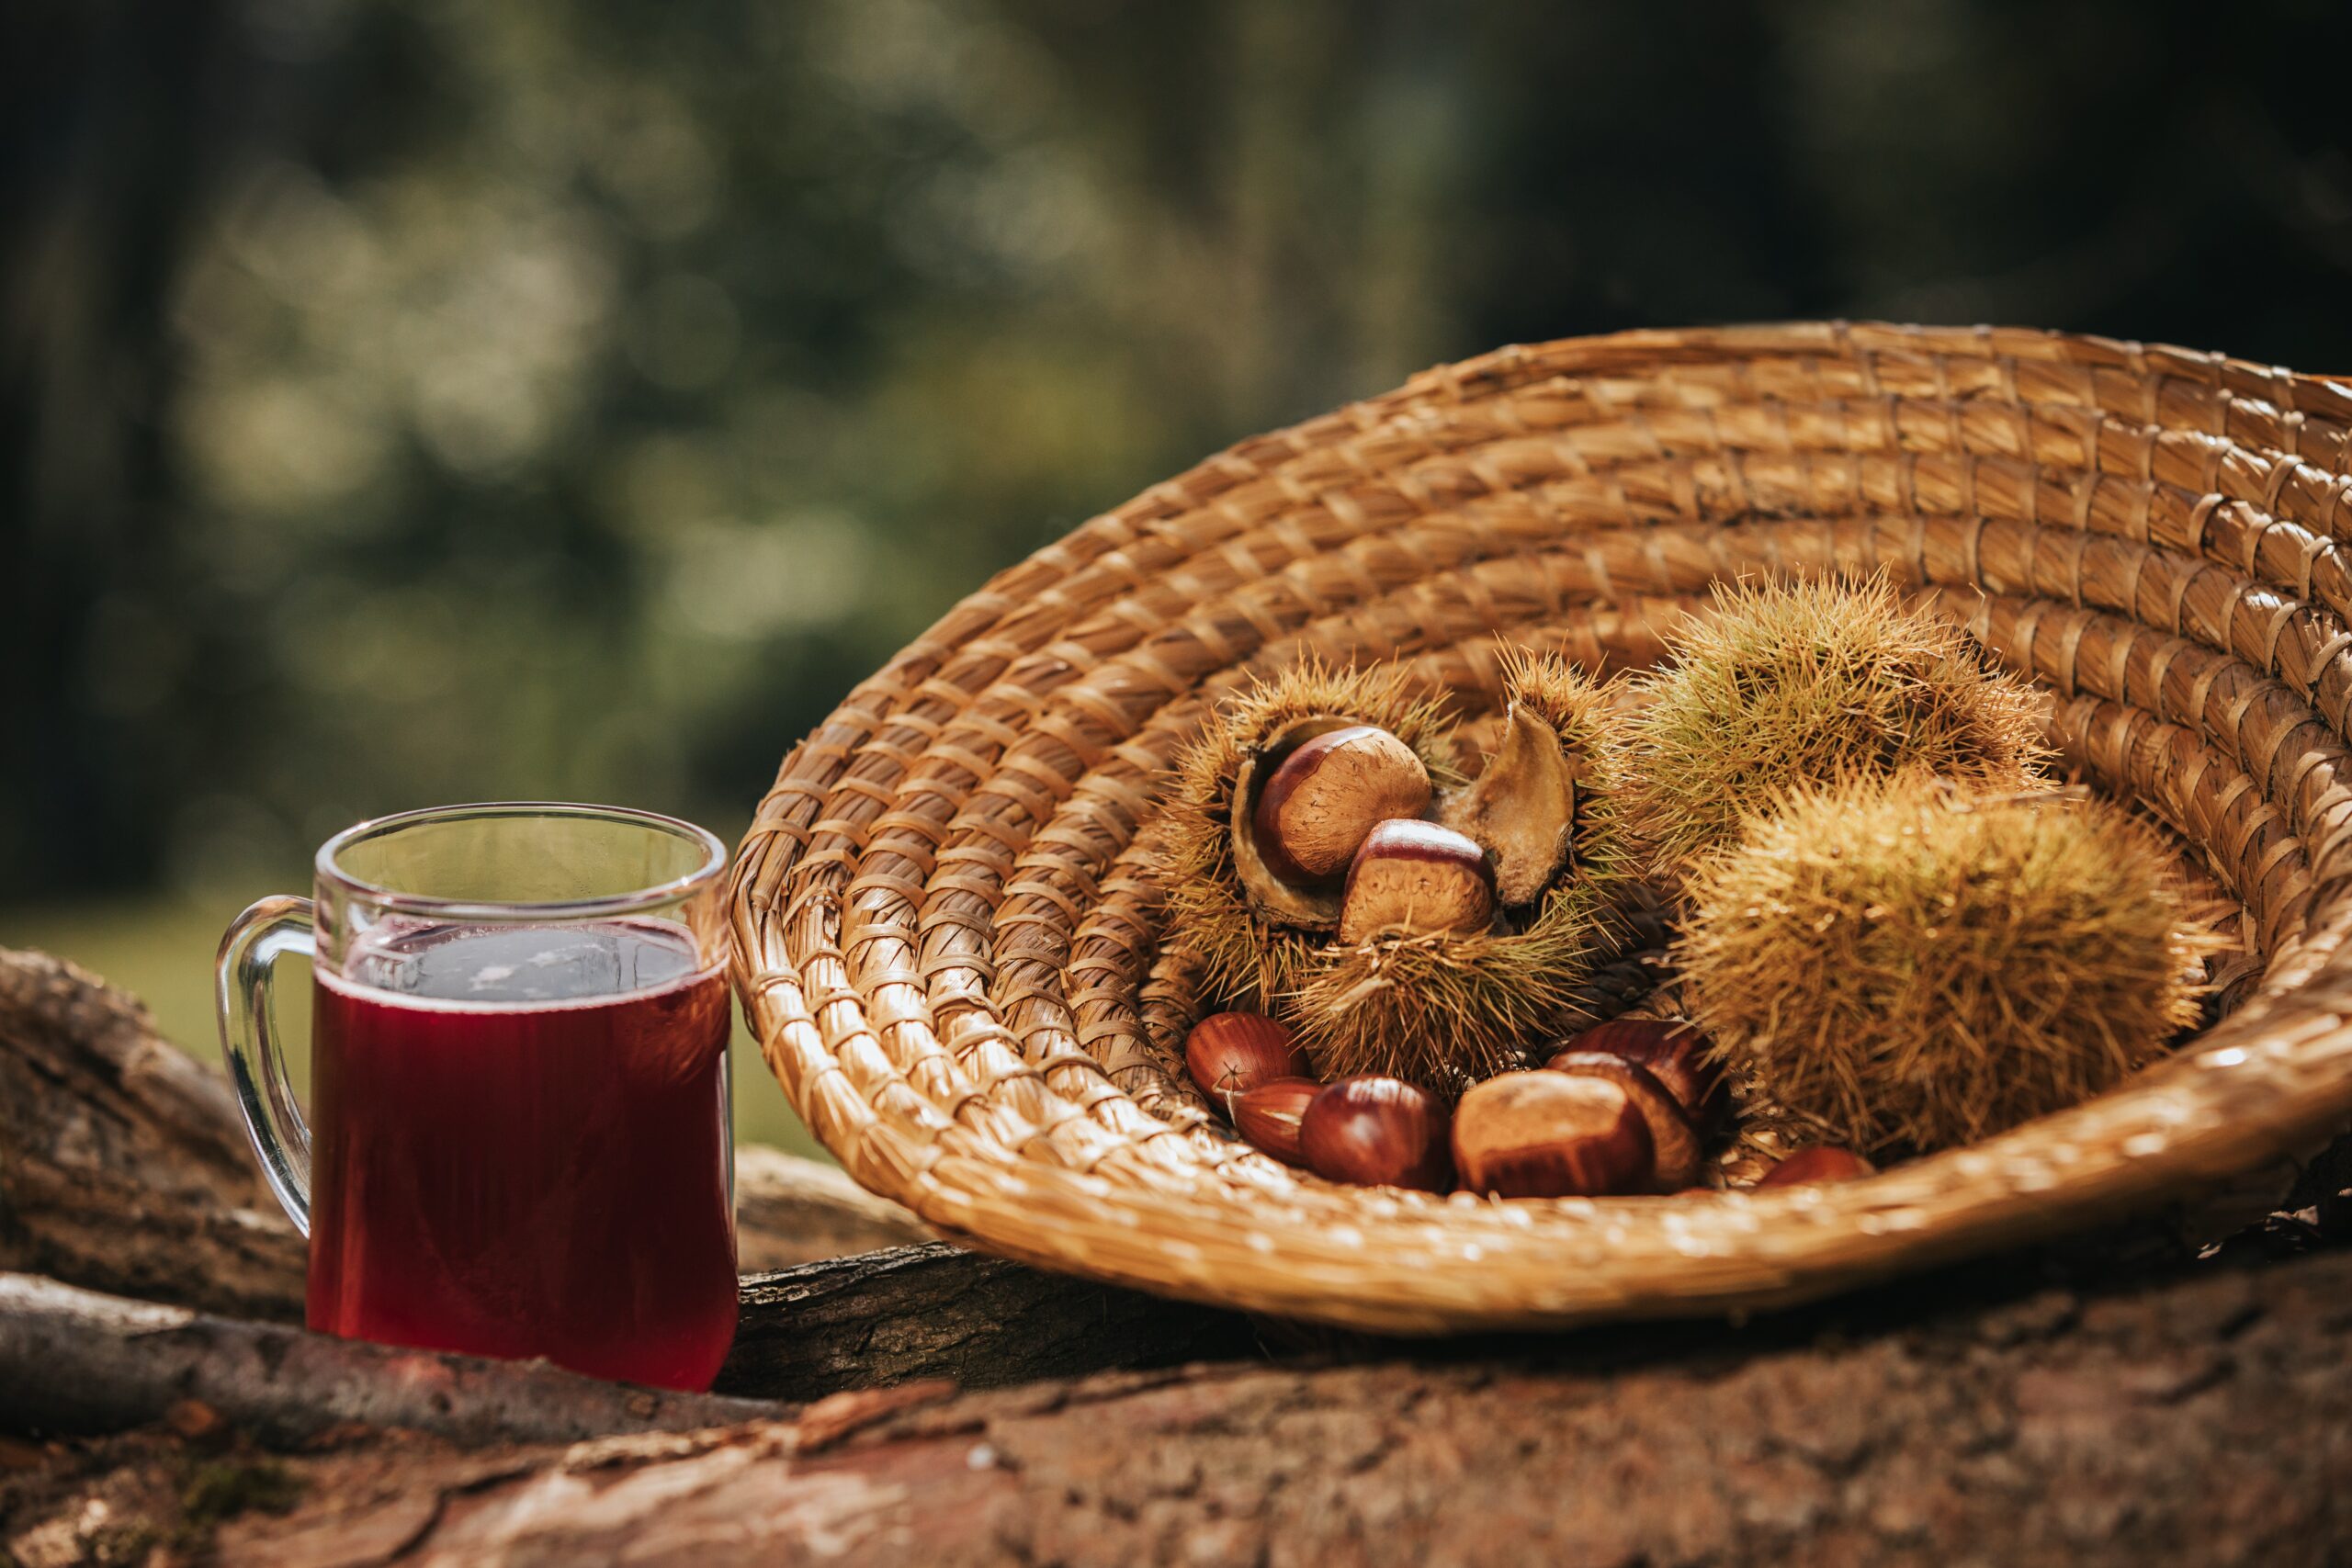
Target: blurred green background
[(412, 400)]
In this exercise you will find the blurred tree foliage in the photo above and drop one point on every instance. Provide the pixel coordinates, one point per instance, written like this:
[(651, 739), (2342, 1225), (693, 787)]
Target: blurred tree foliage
[(414, 400)]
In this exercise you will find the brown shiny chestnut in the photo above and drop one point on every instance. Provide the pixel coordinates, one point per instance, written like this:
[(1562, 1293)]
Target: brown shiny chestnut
[(1268, 1116), (1412, 878), (1227, 1053), (1545, 1134), (1379, 1131), (1676, 1154), (1322, 799), (1677, 1054), (1816, 1162)]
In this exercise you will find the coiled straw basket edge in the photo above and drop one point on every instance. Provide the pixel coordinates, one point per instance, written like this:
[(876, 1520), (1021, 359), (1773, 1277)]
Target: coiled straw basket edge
[(952, 954)]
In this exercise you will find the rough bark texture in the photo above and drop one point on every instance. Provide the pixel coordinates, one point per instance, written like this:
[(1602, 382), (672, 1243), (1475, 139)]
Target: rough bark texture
[(932, 1312), (74, 1361), (122, 1164), (2201, 1421)]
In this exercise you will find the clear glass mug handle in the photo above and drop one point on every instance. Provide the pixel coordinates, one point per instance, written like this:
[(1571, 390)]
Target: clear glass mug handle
[(249, 1043)]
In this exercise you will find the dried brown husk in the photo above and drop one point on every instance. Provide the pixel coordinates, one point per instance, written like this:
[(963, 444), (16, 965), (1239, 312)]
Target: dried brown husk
[(1520, 810)]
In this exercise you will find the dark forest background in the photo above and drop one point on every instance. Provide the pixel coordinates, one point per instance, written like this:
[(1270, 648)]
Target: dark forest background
[(408, 400)]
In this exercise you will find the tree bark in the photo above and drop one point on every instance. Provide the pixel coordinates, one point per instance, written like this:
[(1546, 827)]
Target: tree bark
[(791, 1211), (2201, 1420), (122, 1164), (917, 1312), (74, 1361)]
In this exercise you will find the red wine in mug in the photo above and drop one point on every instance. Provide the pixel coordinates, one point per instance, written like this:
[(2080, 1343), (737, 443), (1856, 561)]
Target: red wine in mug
[(519, 1147)]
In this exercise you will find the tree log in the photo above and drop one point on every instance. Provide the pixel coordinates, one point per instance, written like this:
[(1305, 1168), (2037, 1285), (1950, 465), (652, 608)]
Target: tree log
[(917, 1312), (122, 1163), (2199, 1420), (74, 1361)]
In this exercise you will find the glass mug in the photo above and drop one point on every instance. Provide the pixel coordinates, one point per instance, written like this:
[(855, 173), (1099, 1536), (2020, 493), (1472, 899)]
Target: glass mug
[(520, 1140)]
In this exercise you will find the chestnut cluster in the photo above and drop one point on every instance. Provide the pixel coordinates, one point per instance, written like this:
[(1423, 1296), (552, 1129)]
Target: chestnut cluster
[(1629, 1107), (1326, 859), (1373, 1131), (1349, 802)]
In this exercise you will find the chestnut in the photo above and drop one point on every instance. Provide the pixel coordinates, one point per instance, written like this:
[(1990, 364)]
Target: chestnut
[(1677, 1054), (1268, 1116), (1229, 1051), (1412, 878), (1322, 799), (1816, 1162), (1547, 1134), (1379, 1131), (1675, 1152)]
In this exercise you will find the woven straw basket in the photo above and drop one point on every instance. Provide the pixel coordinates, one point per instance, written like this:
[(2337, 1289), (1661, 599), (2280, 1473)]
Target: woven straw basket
[(951, 950)]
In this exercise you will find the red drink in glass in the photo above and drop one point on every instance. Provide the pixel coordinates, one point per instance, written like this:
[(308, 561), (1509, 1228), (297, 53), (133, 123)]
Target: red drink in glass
[(520, 1148), (520, 1085)]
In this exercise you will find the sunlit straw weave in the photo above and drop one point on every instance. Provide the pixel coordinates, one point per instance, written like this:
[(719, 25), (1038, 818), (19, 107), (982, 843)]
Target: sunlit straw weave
[(953, 957)]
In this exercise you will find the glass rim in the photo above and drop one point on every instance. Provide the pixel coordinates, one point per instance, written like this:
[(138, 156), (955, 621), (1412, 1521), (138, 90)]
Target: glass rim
[(713, 865)]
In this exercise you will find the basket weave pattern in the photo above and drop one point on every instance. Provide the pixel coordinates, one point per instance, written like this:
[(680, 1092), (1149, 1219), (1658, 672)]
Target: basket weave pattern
[(952, 953)]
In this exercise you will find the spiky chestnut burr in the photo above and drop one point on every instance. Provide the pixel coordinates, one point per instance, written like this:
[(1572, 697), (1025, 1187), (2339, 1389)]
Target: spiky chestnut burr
[(1907, 969), (1789, 685), (1521, 810)]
